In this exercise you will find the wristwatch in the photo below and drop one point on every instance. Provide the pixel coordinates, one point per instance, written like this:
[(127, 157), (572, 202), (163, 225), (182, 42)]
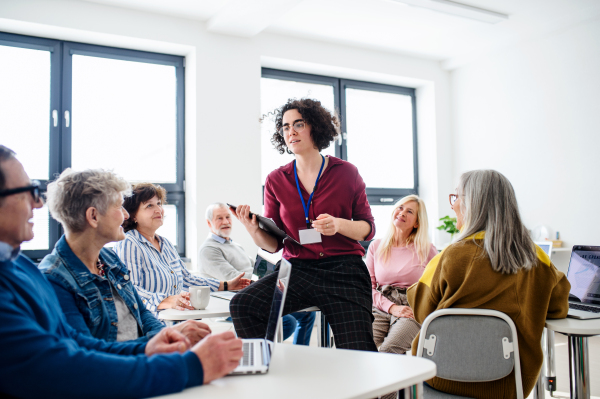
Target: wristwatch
[(225, 286)]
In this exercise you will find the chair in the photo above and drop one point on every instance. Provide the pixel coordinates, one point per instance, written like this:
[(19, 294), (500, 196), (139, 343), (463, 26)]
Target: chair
[(483, 343)]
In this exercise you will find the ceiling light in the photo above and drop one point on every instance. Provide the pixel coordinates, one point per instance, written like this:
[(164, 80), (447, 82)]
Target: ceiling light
[(461, 10)]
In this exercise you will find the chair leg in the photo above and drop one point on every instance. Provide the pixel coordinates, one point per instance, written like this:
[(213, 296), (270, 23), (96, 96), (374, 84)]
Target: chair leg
[(549, 360), (538, 389), (414, 392)]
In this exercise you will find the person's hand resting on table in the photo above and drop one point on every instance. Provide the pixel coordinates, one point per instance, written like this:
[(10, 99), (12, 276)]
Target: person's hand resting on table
[(180, 301), (219, 354), (166, 341), (193, 330)]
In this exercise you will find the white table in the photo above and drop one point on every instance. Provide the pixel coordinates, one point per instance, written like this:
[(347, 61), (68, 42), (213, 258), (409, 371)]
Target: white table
[(308, 372), (577, 332), (217, 307)]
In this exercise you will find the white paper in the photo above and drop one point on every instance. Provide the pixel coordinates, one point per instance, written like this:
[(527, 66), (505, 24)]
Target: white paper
[(309, 236)]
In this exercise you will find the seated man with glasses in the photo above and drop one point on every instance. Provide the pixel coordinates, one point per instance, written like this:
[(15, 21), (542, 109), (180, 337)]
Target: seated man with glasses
[(39, 345)]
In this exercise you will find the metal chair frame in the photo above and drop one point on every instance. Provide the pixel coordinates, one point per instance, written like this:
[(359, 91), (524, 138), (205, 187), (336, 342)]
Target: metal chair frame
[(478, 312)]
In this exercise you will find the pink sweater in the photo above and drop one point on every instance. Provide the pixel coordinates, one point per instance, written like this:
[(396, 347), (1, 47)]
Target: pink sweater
[(402, 269)]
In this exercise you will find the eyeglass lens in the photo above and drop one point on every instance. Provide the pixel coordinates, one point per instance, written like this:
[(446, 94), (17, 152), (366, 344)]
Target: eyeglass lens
[(35, 192), (298, 127)]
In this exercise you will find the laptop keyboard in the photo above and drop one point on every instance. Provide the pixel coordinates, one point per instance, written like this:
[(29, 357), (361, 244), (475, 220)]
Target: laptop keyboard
[(248, 358), (577, 306)]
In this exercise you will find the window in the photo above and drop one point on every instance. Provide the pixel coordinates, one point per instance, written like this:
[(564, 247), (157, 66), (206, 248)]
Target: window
[(84, 106), (379, 133)]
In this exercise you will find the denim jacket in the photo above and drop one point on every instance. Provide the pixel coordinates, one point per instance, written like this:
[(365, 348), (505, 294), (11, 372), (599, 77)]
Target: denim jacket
[(87, 300)]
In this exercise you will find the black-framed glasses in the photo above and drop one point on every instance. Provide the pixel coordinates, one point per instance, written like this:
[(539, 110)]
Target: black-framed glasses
[(298, 126), (34, 189), (453, 198)]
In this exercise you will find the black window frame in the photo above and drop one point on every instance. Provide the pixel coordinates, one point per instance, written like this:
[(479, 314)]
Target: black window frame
[(61, 53), (375, 195)]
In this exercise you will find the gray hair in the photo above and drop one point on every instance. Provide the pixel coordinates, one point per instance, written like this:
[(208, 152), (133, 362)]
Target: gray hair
[(488, 203), (211, 208), (6, 154), (70, 196)]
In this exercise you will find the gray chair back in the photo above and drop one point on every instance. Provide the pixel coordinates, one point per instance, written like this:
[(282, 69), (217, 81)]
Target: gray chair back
[(471, 345)]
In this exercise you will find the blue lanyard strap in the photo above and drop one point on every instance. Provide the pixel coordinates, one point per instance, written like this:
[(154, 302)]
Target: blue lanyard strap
[(304, 205)]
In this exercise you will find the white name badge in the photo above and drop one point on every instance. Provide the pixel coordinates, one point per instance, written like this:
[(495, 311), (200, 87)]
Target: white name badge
[(309, 236)]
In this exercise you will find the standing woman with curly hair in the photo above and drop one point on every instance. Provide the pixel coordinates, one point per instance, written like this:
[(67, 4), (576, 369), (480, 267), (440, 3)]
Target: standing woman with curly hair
[(321, 203)]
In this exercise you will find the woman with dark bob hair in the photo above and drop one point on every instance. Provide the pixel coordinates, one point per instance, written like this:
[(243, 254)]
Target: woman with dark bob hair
[(321, 203), (493, 264), (157, 271)]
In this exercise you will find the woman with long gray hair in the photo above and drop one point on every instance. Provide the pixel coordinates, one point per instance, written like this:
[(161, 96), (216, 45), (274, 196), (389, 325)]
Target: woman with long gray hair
[(493, 264)]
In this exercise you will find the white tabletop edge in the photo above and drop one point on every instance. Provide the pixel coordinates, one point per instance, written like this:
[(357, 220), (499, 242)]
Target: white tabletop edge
[(217, 307), (574, 326), (315, 372)]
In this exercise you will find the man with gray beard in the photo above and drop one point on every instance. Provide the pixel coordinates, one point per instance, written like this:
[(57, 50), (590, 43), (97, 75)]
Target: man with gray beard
[(219, 257)]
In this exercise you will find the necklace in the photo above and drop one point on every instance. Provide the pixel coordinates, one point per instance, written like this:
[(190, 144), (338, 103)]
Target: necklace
[(101, 268)]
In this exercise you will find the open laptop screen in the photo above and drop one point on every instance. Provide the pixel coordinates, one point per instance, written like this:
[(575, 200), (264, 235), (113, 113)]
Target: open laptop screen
[(545, 247), (584, 274), (283, 280)]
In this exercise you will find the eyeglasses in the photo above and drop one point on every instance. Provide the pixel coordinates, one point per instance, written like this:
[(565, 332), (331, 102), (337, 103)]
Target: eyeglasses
[(298, 126), (34, 189), (453, 198)]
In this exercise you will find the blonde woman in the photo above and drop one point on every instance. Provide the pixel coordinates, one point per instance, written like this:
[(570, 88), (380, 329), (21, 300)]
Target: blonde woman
[(395, 263)]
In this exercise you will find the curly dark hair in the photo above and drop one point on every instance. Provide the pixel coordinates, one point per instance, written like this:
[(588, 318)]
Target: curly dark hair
[(325, 127), (141, 193)]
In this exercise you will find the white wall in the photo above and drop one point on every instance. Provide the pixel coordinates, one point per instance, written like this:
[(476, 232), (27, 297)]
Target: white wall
[(532, 112), (223, 95)]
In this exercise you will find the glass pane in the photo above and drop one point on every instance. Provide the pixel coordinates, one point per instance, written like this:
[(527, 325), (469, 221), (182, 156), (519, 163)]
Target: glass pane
[(41, 218), (274, 93), (25, 107), (169, 227), (380, 123), (382, 215), (124, 117)]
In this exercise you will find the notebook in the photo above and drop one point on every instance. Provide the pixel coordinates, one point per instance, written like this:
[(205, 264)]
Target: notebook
[(584, 276), (258, 352)]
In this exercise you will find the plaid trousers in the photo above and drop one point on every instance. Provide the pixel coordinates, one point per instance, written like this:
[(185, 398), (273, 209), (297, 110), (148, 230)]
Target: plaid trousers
[(339, 285)]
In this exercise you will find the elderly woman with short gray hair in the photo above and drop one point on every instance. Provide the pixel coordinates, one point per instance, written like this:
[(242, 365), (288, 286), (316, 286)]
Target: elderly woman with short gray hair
[(493, 264), (92, 285)]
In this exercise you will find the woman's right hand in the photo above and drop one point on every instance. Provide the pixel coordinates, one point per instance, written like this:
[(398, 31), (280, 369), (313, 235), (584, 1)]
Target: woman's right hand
[(242, 213), (180, 302), (401, 311)]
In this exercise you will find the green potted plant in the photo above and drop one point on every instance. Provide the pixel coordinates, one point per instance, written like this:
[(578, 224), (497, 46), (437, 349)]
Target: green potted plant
[(449, 226)]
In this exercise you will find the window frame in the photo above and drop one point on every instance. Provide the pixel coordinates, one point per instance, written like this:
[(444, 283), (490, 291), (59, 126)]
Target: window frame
[(375, 195), (61, 53)]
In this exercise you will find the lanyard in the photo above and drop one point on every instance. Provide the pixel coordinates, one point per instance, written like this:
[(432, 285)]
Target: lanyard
[(304, 205)]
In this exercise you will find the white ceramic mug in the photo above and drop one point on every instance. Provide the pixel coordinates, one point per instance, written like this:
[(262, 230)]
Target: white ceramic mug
[(200, 296)]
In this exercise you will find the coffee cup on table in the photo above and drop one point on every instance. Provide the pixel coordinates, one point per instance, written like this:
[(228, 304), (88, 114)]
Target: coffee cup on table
[(200, 296)]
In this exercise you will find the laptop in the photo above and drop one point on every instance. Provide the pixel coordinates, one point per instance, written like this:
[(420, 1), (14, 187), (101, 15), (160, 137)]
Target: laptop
[(262, 267), (546, 247), (584, 276), (258, 352)]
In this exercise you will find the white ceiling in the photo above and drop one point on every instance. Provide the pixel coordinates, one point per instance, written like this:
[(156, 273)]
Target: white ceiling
[(381, 24)]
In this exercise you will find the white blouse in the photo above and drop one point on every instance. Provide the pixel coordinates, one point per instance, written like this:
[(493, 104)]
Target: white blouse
[(157, 274)]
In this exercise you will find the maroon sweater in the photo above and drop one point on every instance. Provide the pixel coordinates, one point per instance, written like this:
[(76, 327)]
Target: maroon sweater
[(340, 193)]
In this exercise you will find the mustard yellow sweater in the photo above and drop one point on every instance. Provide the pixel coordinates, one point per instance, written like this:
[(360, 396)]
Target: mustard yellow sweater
[(460, 277)]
